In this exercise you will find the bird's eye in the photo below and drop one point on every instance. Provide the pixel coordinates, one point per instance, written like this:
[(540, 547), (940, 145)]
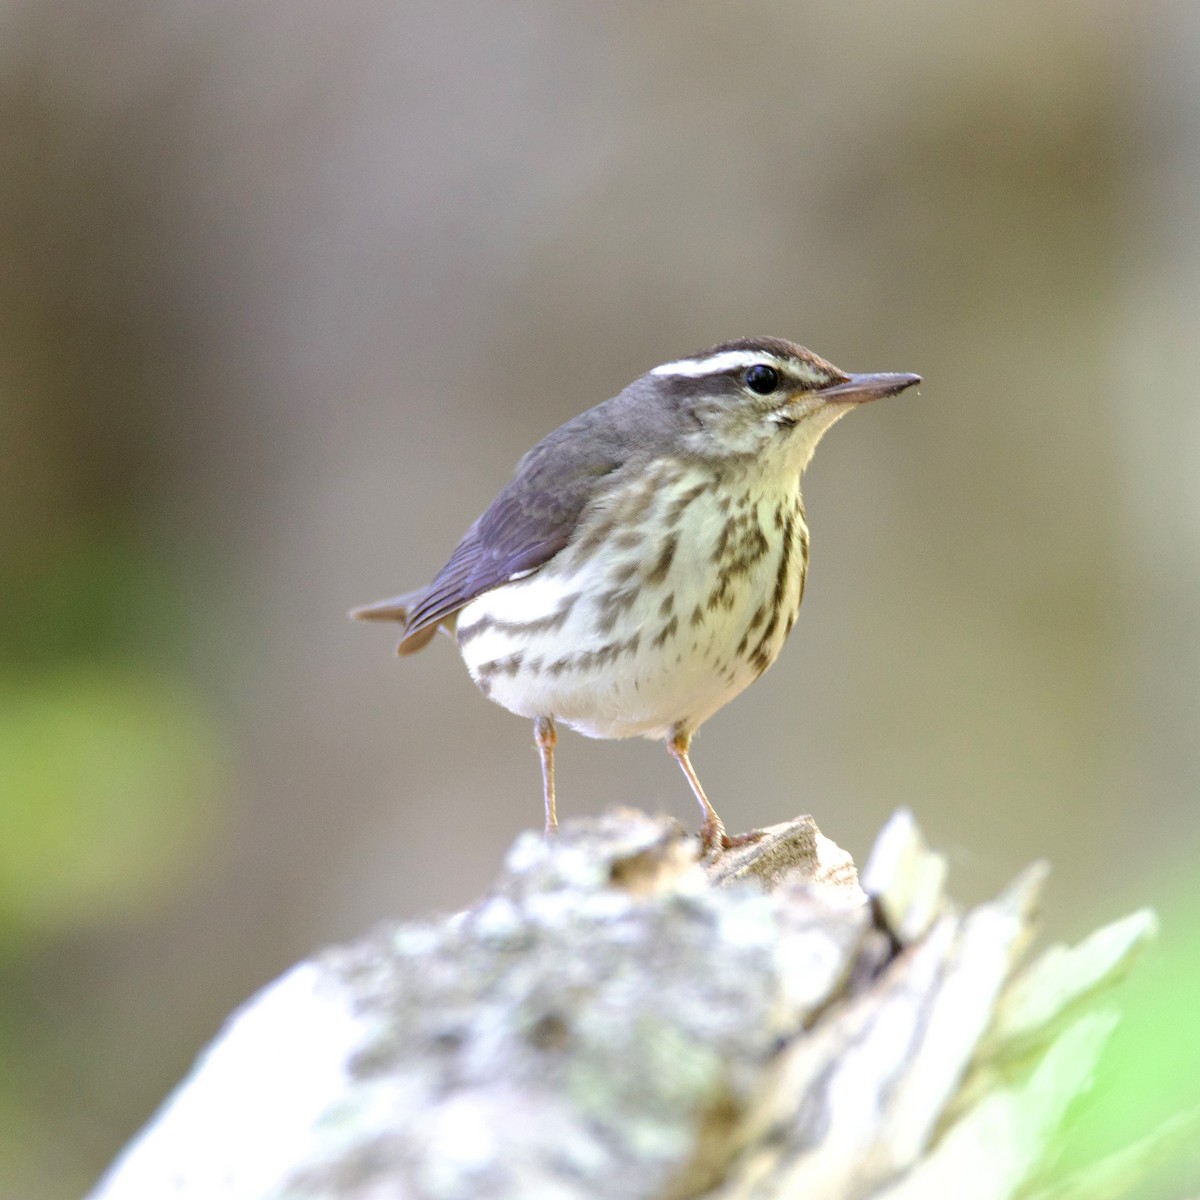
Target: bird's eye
[(761, 379)]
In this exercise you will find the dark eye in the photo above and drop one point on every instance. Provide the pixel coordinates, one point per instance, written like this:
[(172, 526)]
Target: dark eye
[(761, 379)]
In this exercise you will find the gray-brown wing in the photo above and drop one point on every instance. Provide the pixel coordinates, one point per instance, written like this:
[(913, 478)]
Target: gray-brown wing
[(533, 518), (527, 524)]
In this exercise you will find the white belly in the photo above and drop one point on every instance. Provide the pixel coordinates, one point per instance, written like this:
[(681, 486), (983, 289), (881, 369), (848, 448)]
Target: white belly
[(647, 637)]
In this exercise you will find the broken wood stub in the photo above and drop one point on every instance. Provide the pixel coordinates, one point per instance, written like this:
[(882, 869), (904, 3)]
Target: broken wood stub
[(617, 1018)]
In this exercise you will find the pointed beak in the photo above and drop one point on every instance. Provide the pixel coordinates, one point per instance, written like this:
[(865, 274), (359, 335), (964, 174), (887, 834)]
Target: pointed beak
[(860, 388)]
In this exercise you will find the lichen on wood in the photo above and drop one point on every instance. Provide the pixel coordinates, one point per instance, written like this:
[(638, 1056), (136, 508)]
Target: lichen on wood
[(618, 1018)]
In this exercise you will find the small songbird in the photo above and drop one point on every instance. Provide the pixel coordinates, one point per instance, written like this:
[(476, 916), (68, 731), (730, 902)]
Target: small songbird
[(646, 561)]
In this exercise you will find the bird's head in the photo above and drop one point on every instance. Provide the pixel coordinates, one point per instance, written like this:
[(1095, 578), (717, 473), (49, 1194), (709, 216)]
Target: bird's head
[(763, 397)]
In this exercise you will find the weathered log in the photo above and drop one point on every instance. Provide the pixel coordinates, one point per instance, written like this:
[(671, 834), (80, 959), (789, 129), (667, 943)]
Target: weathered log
[(619, 1019)]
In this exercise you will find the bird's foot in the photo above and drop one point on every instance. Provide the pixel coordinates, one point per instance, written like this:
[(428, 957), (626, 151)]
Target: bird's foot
[(714, 840), (729, 841)]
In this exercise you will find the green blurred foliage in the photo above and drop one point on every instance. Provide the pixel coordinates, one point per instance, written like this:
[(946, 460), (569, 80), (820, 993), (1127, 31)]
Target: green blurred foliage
[(270, 273), (1150, 1071), (108, 775)]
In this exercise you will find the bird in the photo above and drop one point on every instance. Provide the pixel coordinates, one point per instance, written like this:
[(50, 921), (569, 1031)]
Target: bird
[(646, 561)]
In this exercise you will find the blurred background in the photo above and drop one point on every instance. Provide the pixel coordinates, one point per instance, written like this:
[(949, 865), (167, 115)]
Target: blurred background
[(286, 290)]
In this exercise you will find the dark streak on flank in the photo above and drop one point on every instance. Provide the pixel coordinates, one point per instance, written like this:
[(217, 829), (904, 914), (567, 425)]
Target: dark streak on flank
[(541, 625), (666, 555), (680, 503), (667, 631), (593, 538), (611, 605), (509, 665), (622, 575), (586, 660), (727, 532), (752, 547), (760, 658)]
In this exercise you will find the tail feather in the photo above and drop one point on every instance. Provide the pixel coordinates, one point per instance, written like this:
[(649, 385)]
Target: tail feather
[(397, 608), (418, 641)]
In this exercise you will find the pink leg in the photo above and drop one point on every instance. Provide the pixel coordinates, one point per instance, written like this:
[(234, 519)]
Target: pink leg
[(712, 829), (546, 737)]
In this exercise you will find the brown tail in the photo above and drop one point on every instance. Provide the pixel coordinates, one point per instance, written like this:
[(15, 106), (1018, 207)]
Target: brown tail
[(397, 609)]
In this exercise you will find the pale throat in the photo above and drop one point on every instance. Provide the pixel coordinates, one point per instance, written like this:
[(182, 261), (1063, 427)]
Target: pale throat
[(806, 433), (768, 445)]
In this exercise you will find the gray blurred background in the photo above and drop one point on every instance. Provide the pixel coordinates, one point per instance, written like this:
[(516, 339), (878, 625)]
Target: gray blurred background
[(287, 288)]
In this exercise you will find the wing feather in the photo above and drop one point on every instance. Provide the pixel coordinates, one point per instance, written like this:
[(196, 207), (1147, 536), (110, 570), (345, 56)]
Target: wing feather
[(538, 512), (527, 524)]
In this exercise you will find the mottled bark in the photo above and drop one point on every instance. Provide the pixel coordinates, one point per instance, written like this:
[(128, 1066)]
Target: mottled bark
[(618, 1019)]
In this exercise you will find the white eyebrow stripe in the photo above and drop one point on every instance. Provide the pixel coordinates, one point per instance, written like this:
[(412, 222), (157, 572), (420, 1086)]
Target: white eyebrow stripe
[(727, 360)]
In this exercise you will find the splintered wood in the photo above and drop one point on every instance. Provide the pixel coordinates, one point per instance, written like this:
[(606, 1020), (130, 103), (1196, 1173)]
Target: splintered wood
[(618, 1018)]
